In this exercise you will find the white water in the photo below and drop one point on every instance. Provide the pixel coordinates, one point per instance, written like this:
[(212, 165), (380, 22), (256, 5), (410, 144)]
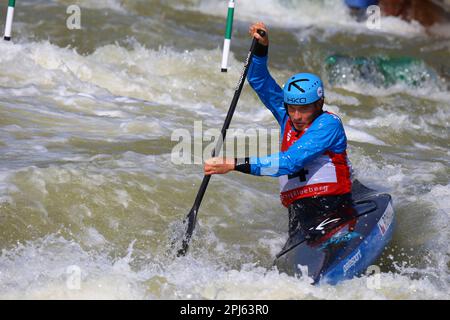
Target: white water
[(86, 178)]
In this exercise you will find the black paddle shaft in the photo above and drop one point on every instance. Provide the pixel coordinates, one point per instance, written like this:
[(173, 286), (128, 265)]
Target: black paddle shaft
[(192, 216)]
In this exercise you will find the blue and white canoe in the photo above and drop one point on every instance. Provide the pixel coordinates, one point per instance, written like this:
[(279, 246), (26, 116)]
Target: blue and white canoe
[(347, 249)]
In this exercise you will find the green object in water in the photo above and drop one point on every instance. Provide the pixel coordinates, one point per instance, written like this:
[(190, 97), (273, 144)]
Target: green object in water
[(379, 71)]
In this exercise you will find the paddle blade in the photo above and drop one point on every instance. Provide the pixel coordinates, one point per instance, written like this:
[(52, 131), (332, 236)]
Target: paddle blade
[(190, 220)]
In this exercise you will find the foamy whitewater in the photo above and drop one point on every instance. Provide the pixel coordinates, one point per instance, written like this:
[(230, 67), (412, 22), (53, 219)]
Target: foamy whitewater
[(90, 197)]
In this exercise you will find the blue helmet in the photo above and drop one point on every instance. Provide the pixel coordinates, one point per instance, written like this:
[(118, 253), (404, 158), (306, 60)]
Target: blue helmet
[(302, 89)]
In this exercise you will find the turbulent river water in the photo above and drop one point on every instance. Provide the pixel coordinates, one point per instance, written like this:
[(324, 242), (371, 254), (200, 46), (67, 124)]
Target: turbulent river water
[(90, 196)]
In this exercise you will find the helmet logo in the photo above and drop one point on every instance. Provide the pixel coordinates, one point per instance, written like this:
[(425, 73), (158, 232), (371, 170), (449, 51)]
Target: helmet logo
[(296, 100), (294, 83), (319, 92)]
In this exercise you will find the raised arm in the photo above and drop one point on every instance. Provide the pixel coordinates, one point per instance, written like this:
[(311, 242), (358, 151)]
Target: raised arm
[(260, 79)]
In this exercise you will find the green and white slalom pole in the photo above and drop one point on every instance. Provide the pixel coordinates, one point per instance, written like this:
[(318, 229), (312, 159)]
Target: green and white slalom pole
[(228, 31), (9, 20)]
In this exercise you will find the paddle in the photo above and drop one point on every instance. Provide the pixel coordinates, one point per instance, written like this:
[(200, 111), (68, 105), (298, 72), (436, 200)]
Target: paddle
[(191, 218)]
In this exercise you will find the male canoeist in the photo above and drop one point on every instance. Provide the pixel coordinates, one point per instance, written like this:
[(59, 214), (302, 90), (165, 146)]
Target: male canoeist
[(312, 166)]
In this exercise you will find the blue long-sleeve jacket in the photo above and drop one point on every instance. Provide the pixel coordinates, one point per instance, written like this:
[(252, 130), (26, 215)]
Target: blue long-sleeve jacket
[(326, 133)]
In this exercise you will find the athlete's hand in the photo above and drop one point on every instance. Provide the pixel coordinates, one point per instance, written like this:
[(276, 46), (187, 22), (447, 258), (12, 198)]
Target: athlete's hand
[(218, 166), (259, 26)]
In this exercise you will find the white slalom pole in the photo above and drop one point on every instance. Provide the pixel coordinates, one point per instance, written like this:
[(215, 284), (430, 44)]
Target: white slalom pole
[(227, 40), (9, 20)]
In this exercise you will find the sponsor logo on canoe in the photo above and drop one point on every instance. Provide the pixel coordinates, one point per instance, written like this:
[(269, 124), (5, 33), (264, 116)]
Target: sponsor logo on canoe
[(324, 223), (386, 220), (340, 238), (353, 260)]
